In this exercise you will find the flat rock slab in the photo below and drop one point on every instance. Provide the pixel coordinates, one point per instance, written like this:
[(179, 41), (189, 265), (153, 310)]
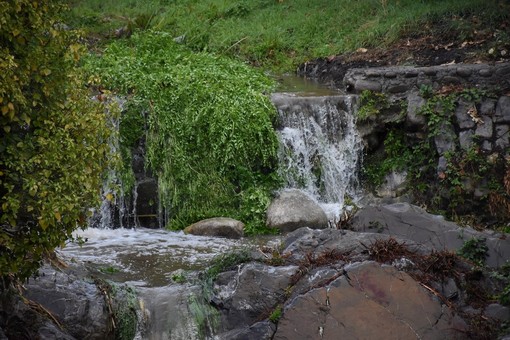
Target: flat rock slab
[(217, 226), (369, 301), (410, 222)]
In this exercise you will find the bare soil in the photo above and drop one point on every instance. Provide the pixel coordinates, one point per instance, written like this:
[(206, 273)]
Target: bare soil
[(435, 45)]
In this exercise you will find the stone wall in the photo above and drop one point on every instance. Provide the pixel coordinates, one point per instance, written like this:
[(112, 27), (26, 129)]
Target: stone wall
[(486, 122), (477, 123), (398, 80)]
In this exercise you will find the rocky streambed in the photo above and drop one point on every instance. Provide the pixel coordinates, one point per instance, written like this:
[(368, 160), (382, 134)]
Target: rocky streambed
[(392, 271)]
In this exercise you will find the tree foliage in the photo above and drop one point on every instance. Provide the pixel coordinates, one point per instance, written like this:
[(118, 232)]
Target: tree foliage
[(52, 148), (210, 138)]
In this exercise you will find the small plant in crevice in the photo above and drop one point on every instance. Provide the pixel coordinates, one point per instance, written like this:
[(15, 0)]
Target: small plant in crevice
[(371, 104), (226, 262), (276, 314), (400, 154), (474, 250)]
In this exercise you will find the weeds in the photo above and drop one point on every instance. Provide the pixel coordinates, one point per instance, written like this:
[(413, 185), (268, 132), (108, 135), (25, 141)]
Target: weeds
[(474, 250)]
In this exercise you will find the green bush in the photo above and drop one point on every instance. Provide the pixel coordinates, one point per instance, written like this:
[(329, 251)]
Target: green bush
[(210, 139), (53, 137)]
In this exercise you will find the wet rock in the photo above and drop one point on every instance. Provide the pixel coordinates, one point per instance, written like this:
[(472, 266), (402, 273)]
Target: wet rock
[(76, 304), (369, 302), (413, 223), (146, 203), (293, 209), (19, 321), (258, 331), (217, 226), (251, 294)]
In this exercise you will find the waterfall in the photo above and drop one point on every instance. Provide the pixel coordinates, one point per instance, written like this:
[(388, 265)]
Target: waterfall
[(320, 148)]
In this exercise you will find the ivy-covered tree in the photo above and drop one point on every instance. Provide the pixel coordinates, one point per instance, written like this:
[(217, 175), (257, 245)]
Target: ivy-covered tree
[(53, 146)]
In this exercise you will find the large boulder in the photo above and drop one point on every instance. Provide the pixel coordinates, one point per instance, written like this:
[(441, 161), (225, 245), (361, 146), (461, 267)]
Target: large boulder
[(217, 226), (78, 309), (410, 222), (293, 209), (368, 301)]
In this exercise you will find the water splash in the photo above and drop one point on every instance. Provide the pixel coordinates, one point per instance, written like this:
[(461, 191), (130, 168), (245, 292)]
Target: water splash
[(320, 147)]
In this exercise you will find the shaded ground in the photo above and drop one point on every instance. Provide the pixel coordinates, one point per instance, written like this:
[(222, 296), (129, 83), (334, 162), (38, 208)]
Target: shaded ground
[(434, 46)]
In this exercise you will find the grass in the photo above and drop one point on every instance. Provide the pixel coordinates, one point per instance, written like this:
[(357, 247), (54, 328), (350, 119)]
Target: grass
[(278, 35)]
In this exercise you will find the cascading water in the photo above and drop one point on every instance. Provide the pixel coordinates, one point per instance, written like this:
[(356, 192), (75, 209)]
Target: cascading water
[(319, 153), (319, 147)]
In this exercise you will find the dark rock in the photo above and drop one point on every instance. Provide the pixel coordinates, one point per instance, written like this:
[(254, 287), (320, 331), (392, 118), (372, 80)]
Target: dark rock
[(466, 139), (502, 110), (503, 137), (411, 74), (498, 312), (461, 113), (398, 88), (488, 107), (147, 203), (414, 104), (217, 226), (485, 72), (485, 129), (293, 209), (362, 85), (258, 331), (451, 80), (78, 304), (413, 223), (251, 294), (445, 139), (464, 72)]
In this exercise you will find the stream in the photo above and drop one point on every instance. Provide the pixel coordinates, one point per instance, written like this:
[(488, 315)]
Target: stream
[(319, 154)]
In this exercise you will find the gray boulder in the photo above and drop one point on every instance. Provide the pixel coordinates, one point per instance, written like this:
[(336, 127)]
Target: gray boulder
[(217, 226), (294, 209)]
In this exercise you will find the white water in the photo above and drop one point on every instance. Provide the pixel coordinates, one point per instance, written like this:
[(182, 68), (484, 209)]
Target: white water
[(152, 260), (320, 147), (149, 257)]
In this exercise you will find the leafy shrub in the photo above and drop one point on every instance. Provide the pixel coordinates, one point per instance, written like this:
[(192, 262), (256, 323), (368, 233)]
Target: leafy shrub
[(475, 250), (210, 138), (53, 137)]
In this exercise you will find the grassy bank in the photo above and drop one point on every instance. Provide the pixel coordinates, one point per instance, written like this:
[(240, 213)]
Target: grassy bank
[(280, 34)]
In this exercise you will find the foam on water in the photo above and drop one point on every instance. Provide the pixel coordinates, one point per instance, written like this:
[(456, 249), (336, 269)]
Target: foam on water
[(148, 256)]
